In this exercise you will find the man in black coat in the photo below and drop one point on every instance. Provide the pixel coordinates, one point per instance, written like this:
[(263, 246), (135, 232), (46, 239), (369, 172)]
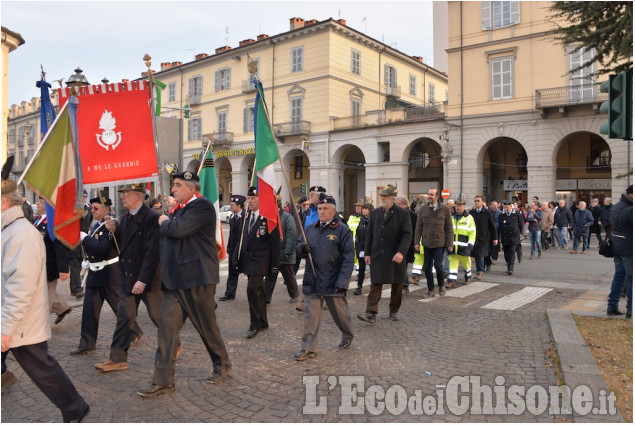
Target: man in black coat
[(237, 206), (257, 256), (485, 234), (387, 242), (596, 228), (189, 273), (138, 234), (402, 202), (510, 227), (103, 275)]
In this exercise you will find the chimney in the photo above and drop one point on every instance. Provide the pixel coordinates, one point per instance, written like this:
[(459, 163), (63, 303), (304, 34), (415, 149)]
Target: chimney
[(418, 58), (222, 49), (245, 42), (165, 65), (262, 37), (342, 21), (201, 56), (311, 22), (145, 73), (177, 63), (124, 80), (296, 23)]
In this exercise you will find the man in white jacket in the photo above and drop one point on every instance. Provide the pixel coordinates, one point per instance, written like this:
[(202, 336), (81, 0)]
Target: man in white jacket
[(25, 307)]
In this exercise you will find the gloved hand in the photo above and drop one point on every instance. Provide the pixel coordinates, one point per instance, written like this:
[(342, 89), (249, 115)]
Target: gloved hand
[(306, 248), (82, 235), (468, 250), (273, 271), (234, 262), (85, 264), (340, 291)]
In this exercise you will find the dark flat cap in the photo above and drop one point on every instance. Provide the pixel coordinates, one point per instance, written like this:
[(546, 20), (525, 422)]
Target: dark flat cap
[(106, 201), (317, 189), (186, 175), (506, 202), (303, 199), (238, 199), (326, 199)]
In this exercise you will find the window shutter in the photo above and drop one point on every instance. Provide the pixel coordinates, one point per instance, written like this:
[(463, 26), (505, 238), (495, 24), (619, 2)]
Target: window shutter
[(515, 7), (228, 78), (486, 15), (386, 74), (190, 90), (216, 81), (189, 126), (245, 120)]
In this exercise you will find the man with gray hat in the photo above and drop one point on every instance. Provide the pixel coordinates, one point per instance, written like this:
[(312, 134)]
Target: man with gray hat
[(387, 242)]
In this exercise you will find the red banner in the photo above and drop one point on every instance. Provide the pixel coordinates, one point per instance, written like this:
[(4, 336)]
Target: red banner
[(116, 142)]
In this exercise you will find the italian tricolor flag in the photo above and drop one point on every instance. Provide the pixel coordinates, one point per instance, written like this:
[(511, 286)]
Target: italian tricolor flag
[(266, 156), (209, 189), (52, 175)]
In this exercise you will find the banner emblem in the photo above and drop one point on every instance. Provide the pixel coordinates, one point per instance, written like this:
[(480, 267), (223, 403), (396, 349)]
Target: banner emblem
[(108, 137)]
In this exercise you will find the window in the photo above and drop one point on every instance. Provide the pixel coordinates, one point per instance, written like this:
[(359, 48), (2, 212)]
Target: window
[(172, 92), (390, 76), (12, 135), (501, 78), (223, 79), (196, 85), (194, 129), (297, 59), (221, 118), (248, 119), (430, 94), (446, 95), (21, 137), (296, 114), (499, 14), (356, 111), (356, 62), (582, 81), (413, 85)]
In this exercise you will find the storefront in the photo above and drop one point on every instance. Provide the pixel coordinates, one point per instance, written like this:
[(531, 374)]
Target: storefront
[(515, 190), (583, 189)]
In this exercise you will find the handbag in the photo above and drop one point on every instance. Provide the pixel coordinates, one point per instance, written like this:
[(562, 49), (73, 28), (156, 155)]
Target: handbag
[(606, 248)]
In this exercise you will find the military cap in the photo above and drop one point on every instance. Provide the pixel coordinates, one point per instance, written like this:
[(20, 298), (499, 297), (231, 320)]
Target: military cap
[(326, 199), (303, 199), (460, 201), (8, 186), (506, 202), (135, 187), (252, 191), (106, 201), (317, 189), (388, 190), (359, 203), (238, 199), (186, 175)]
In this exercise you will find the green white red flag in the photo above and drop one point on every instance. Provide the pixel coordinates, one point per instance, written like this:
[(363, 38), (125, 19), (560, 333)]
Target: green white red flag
[(209, 189)]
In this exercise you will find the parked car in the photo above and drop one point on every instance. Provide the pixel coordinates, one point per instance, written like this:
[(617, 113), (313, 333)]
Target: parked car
[(225, 213)]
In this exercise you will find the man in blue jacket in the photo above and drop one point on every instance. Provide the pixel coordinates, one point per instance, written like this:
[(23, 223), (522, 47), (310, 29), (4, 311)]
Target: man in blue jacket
[(582, 222), (330, 242)]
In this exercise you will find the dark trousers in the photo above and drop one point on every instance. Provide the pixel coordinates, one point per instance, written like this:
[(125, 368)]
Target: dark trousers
[(519, 251), (396, 290), (47, 374), (433, 255), (510, 255), (298, 258), (338, 306), (232, 282), (257, 302), (361, 273), (597, 230), (289, 280), (93, 303), (127, 321), (74, 266), (176, 305)]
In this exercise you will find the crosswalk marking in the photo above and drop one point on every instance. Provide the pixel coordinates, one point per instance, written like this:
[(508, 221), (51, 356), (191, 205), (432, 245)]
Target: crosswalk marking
[(518, 299), (464, 291)]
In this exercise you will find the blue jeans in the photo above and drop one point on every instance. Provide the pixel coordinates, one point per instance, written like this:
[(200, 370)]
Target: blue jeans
[(535, 241), (623, 272), (480, 263), (433, 255), (585, 240), (564, 236)]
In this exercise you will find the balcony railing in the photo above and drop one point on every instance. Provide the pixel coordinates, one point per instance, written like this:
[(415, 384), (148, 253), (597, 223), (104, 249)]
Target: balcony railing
[(381, 117), (419, 113), (217, 139), (569, 95), (355, 121), (294, 128), (193, 99), (249, 86), (393, 91)]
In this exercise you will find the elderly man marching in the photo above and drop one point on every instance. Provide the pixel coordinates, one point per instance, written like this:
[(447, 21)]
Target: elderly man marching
[(330, 243), (387, 243), (464, 238)]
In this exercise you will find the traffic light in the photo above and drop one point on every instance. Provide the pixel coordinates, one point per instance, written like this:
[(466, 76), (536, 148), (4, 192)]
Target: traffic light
[(303, 187), (186, 112), (619, 107)]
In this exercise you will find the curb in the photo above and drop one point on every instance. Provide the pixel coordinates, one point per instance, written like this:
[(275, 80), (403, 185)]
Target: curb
[(577, 363)]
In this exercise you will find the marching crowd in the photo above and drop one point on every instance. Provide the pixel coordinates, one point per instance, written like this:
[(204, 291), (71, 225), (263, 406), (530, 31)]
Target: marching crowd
[(166, 257)]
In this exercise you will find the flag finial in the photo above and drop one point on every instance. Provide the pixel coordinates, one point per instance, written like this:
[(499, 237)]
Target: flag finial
[(252, 66)]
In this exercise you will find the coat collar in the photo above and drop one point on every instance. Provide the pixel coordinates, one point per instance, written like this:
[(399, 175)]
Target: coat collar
[(11, 215)]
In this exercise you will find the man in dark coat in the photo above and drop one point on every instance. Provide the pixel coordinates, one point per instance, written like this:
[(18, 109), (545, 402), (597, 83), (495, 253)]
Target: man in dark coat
[(138, 235), (387, 242), (189, 273), (402, 202), (287, 258), (485, 234), (621, 219), (510, 227), (237, 205), (103, 275), (596, 228), (257, 256), (330, 243)]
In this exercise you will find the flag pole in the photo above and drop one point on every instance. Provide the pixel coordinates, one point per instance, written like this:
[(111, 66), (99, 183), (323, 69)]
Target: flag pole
[(286, 177), (147, 58), (207, 148)]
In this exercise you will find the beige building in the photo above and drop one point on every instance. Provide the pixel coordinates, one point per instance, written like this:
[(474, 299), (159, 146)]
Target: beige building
[(10, 41), (520, 124), (335, 98)]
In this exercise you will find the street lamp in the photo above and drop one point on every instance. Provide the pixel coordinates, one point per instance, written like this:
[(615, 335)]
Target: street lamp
[(76, 81)]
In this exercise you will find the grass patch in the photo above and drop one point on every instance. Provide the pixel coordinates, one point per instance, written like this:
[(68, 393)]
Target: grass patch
[(611, 344)]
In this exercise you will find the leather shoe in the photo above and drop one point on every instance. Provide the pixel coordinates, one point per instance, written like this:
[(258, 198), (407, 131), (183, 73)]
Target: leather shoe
[(79, 294), (629, 314), (61, 316), (442, 291), (252, 333), (509, 272), (305, 355), (614, 312), (82, 417), (345, 344), (218, 377), (358, 291), (468, 281), (179, 351), (225, 298), (80, 351), (367, 317), (156, 390), (109, 366), (393, 317), (136, 340)]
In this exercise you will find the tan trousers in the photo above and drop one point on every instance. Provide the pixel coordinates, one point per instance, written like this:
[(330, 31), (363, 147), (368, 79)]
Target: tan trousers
[(58, 304)]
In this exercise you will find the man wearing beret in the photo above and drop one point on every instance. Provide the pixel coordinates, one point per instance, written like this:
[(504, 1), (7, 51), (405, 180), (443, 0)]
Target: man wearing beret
[(138, 236), (102, 281), (237, 206), (511, 225), (314, 197), (189, 273), (387, 242), (330, 243), (257, 256)]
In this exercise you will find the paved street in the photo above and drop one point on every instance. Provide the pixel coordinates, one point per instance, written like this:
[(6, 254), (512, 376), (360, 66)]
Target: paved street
[(497, 327)]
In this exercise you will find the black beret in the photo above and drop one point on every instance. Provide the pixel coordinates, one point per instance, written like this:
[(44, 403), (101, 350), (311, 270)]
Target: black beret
[(326, 199), (303, 199), (629, 190), (106, 201), (238, 199), (186, 175), (317, 189), (252, 191)]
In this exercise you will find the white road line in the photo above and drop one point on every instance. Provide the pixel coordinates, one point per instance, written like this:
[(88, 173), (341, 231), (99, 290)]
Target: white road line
[(464, 291), (517, 299)]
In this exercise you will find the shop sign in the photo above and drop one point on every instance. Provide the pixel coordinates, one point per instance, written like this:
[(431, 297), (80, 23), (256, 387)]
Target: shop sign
[(515, 185), (594, 184), (236, 152), (566, 184)]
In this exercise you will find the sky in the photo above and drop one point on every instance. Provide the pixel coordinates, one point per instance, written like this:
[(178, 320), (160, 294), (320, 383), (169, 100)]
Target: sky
[(109, 38)]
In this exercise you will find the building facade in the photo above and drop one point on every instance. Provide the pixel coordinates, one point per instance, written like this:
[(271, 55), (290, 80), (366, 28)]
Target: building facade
[(10, 41)]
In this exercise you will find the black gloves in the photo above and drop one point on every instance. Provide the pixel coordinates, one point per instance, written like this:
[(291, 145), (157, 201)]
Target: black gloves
[(273, 271), (234, 262), (306, 248)]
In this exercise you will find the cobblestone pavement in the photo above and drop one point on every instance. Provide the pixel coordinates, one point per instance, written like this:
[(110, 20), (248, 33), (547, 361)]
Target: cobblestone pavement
[(434, 341)]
